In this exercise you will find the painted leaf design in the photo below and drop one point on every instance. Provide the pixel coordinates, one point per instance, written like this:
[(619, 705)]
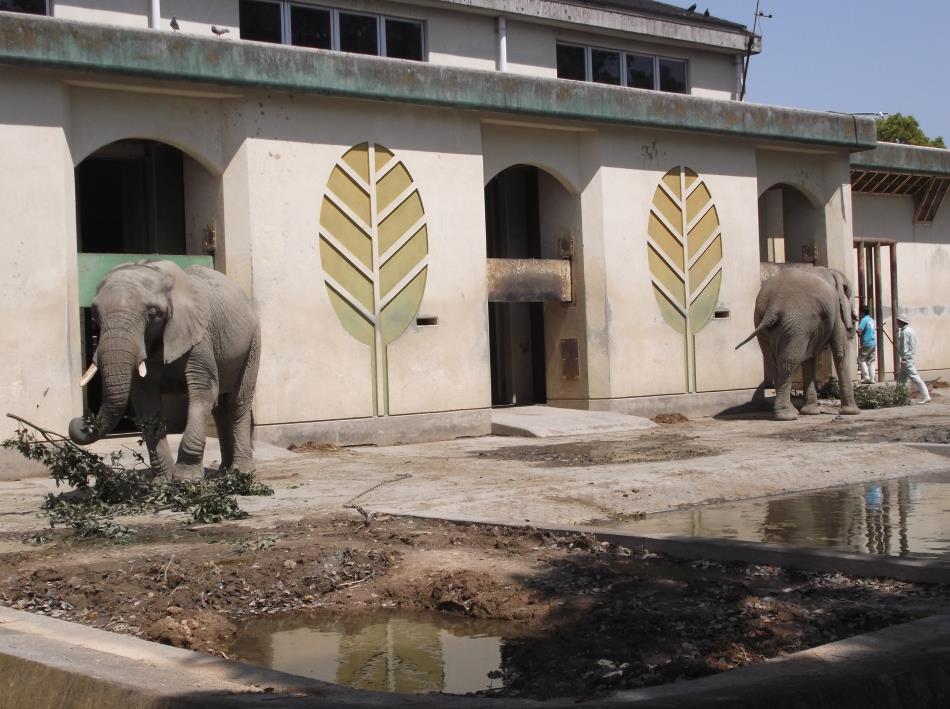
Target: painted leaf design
[(684, 248), (374, 251)]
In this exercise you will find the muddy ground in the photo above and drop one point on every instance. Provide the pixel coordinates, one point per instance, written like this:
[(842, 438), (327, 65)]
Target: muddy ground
[(585, 617)]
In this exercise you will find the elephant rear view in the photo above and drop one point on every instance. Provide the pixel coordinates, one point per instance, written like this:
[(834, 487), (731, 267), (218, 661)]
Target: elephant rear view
[(799, 312), (164, 328)]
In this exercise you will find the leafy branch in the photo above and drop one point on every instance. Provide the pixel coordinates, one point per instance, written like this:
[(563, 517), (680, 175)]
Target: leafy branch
[(106, 489)]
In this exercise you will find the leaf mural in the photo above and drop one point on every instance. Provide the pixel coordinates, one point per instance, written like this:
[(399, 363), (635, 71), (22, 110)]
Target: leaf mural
[(684, 248), (374, 251)]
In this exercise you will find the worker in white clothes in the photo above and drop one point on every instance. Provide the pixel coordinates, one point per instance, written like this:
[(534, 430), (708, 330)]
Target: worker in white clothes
[(907, 351)]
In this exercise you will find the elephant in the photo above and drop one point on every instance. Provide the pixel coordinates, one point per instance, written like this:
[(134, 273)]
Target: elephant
[(163, 328), (799, 312)]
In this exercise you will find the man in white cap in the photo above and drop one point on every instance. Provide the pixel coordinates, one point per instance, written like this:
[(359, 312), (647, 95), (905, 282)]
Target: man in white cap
[(907, 351)]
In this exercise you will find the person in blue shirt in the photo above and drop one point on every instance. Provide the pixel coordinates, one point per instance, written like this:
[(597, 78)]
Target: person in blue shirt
[(867, 347)]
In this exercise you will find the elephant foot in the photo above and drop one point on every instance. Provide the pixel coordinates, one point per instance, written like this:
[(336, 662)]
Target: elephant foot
[(786, 415), (188, 472), (849, 410), (810, 410)]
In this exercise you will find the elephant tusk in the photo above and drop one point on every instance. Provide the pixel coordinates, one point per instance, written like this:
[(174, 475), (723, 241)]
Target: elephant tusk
[(142, 370), (90, 373)]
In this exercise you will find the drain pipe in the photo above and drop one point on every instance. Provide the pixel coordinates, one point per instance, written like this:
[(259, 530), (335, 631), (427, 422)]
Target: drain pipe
[(738, 62), (155, 14), (502, 44)]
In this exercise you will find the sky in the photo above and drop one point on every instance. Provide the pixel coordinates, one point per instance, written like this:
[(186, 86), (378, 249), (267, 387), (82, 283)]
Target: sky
[(852, 56)]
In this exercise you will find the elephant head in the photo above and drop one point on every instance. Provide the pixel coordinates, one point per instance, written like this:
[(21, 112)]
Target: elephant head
[(150, 310), (843, 288)]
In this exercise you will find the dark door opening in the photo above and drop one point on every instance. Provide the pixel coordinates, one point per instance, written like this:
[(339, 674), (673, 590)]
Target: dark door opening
[(130, 199), (516, 330)]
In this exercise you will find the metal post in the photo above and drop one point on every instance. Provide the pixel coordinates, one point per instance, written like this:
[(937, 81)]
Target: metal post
[(862, 276), (869, 274), (879, 312), (894, 308)]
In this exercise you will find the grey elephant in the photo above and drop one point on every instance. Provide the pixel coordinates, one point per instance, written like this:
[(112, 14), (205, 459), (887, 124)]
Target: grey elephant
[(799, 312), (166, 329)]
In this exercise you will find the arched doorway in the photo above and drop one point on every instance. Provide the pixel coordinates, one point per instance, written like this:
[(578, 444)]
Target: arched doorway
[(790, 226), (529, 215), (138, 199)]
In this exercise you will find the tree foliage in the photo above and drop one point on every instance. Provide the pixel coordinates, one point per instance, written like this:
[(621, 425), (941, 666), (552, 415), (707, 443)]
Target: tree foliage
[(898, 128)]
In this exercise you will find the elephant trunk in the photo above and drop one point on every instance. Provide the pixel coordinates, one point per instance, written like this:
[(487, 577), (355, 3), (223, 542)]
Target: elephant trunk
[(118, 356)]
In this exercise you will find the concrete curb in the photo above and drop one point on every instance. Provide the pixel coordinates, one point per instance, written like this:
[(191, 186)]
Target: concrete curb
[(51, 663)]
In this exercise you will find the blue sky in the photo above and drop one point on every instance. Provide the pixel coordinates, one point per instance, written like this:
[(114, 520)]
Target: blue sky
[(850, 55)]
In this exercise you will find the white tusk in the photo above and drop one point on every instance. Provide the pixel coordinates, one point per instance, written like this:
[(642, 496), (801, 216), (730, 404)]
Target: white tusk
[(142, 370), (90, 373)]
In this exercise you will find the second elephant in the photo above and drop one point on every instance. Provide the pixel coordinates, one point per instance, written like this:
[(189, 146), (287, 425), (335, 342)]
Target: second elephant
[(798, 313)]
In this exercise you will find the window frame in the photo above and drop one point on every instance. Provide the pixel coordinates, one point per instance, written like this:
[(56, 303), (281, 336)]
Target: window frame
[(285, 27), (49, 10), (589, 72)]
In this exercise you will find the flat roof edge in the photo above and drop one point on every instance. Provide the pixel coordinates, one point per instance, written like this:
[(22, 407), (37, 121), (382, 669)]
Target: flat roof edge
[(49, 43), (895, 157)]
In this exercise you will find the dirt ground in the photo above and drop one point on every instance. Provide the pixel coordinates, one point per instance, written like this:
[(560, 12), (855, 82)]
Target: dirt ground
[(585, 617)]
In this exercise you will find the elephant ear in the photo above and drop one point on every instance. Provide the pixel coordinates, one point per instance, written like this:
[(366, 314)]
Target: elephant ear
[(843, 287), (189, 310)]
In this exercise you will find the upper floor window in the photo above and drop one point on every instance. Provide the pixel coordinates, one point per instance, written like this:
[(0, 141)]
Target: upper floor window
[(32, 7), (330, 28), (609, 66)]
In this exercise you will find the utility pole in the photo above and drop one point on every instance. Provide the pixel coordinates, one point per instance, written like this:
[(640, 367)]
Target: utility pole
[(748, 52)]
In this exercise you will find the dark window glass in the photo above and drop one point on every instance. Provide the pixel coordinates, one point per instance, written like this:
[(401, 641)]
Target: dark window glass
[(571, 62), (358, 34), (605, 66), (639, 71), (33, 7), (309, 27), (403, 39), (673, 75), (260, 21)]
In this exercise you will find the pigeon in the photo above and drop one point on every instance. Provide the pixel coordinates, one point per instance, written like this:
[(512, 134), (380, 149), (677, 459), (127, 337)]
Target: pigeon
[(691, 8), (706, 14), (174, 23), (219, 30)]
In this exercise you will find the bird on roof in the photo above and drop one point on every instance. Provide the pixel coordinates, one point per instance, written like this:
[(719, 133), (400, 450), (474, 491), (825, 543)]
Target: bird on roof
[(219, 30), (706, 14), (691, 8), (174, 23)]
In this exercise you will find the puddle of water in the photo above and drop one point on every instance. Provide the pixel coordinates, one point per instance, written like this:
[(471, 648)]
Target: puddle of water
[(904, 517), (405, 653)]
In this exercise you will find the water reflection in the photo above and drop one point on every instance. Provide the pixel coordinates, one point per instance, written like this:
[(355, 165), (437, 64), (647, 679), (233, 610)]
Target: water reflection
[(904, 517), (392, 653)]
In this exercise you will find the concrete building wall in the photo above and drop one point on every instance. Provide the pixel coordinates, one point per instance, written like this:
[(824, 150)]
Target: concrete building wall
[(454, 36), (193, 17), (923, 273), (39, 340)]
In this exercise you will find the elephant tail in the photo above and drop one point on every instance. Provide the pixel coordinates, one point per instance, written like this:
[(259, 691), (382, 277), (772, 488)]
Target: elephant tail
[(768, 321)]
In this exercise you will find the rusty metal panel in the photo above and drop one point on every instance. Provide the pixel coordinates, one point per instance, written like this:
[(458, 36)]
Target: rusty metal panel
[(570, 365), (514, 280)]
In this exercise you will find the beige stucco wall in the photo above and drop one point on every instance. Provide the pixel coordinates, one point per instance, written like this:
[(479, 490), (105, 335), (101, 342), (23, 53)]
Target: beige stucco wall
[(454, 37), (923, 272), (39, 338), (193, 17), (646, 354), (314, 369)]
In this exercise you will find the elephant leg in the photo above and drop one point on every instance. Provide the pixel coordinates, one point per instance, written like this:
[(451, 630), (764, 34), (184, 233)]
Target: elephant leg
[(784, 411), (147, 402), (844, 366), (201, 382), (241, 402), (810, 407), (222, 421)]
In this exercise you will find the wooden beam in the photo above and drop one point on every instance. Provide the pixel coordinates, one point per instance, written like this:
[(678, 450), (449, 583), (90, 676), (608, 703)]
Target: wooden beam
[(879, 311)]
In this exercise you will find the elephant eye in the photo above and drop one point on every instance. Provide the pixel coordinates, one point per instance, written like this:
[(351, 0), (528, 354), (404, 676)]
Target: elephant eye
[(153, 312)]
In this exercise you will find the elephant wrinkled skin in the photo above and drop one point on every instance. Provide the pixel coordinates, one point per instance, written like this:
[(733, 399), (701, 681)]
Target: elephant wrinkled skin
[(164, 329), (799, 312)]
